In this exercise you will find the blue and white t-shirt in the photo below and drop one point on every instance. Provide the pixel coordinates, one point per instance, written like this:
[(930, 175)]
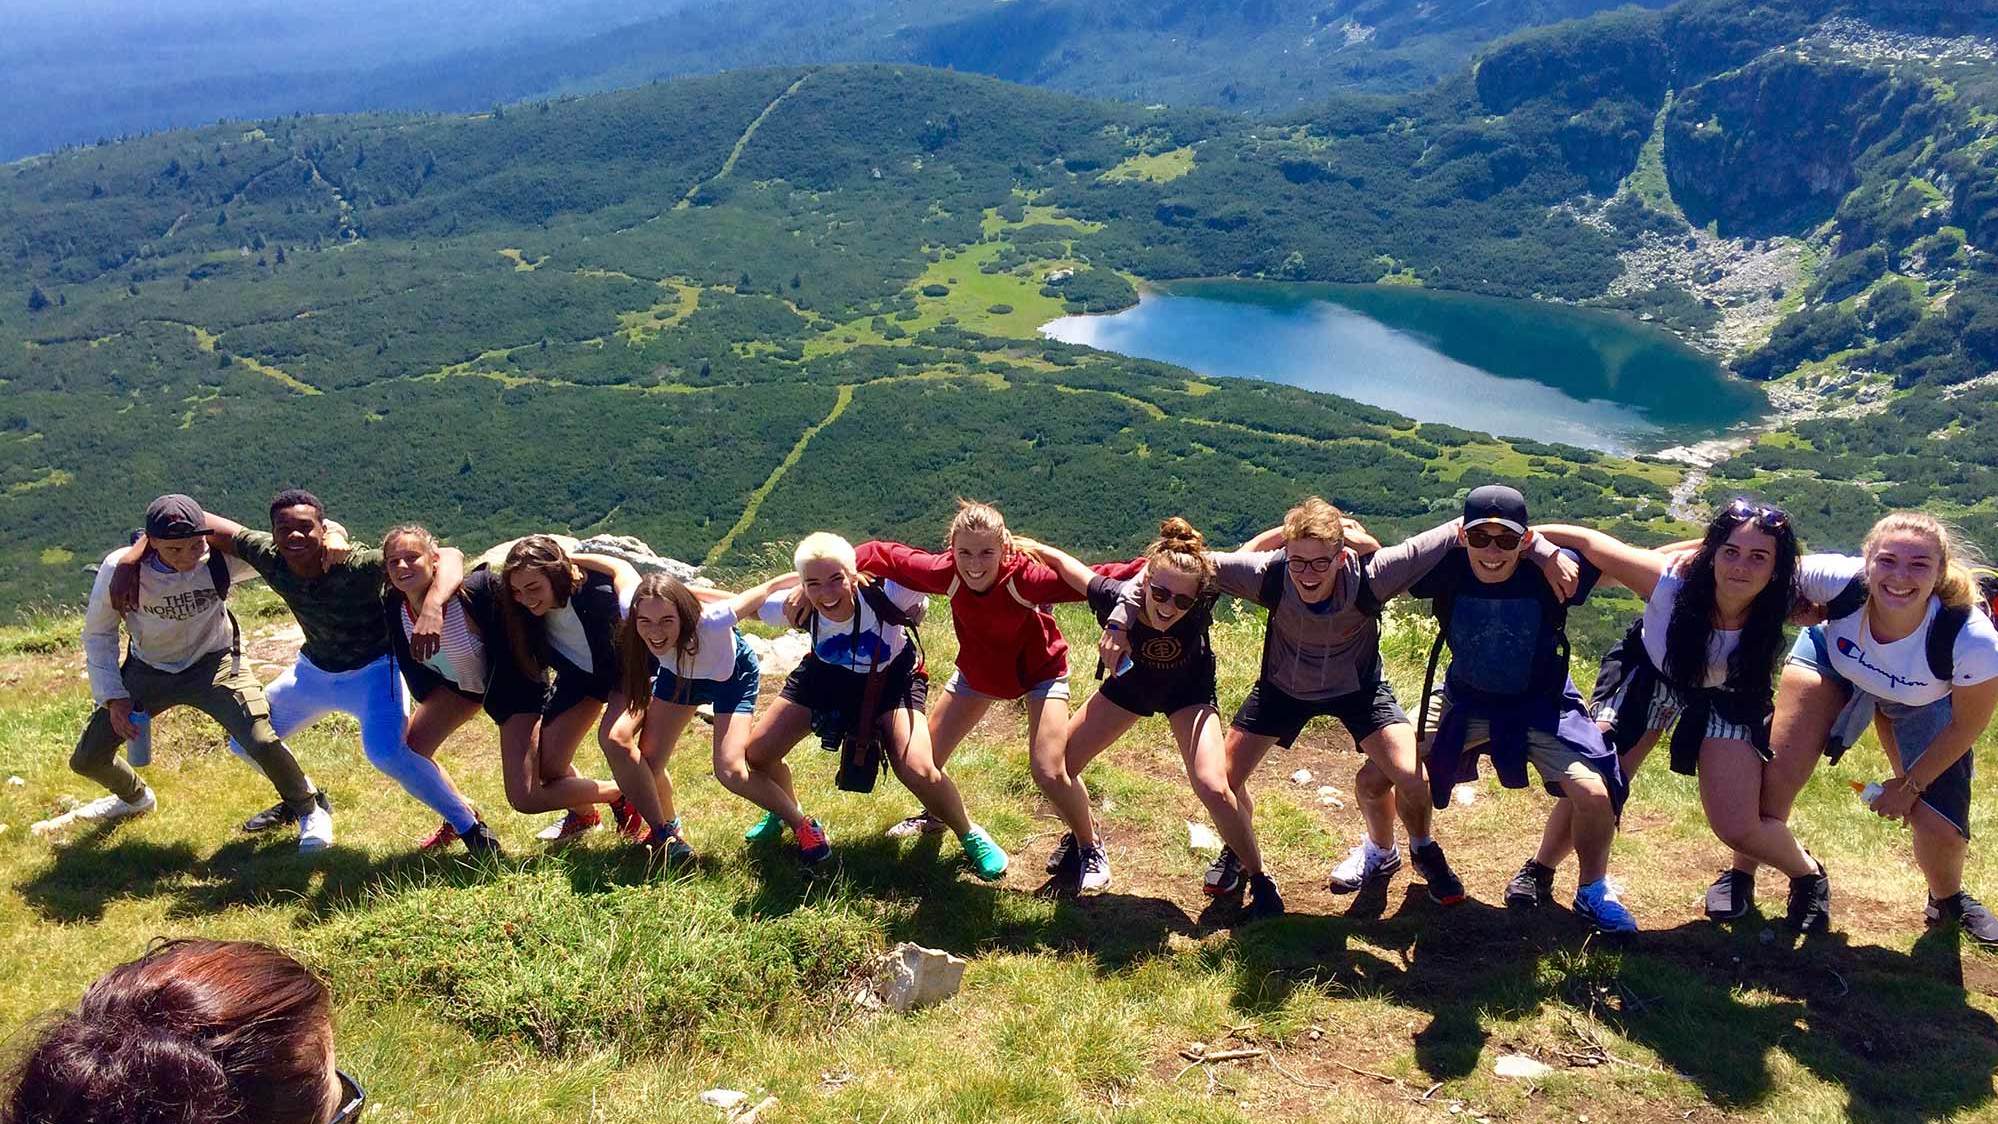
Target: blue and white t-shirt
[(874, 644)]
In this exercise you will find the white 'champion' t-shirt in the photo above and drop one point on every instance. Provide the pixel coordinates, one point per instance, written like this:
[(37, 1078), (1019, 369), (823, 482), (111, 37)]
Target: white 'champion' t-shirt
[(1899, 672)]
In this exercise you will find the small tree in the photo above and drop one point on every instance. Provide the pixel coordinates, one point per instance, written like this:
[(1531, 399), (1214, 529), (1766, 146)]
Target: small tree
[(37, 300)]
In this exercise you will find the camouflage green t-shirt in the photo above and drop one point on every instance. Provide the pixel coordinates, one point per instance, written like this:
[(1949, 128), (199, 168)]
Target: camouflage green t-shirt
[(339, 611)]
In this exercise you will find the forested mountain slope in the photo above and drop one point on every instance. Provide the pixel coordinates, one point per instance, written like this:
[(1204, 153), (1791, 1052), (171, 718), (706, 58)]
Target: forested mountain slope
[(718, 312)]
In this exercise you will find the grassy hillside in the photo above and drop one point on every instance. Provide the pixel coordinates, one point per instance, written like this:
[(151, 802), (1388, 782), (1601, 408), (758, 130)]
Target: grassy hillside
[(572, 985)]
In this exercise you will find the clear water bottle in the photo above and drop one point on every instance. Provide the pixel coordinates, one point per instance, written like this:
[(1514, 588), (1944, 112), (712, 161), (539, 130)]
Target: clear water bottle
[(139, 750), (1868, 793)]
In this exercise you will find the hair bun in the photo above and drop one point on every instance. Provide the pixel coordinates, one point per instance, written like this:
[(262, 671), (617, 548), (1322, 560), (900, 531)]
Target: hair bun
[(1176, 531)]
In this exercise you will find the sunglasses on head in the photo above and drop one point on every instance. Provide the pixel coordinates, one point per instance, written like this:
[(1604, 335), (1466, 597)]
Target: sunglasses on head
[(1315, 565), (1180, 599), (352, 1099), (1479, 538), (1748, 511)]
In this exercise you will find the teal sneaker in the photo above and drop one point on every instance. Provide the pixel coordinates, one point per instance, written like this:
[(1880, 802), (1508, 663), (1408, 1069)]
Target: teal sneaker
[(771, 826), (987, 860)]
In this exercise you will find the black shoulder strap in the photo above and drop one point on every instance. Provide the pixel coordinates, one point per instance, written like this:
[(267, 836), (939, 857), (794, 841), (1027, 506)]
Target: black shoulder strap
[(1943, 632), (218, 572), (884, 606), (1272, 588), (1441, 605), (1849, 600)]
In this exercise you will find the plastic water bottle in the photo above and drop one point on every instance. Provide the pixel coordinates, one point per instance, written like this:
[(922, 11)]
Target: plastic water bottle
[(1868, 793), (139, 751)]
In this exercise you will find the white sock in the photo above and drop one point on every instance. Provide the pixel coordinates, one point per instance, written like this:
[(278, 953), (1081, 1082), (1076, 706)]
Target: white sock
[(1376, 851), (1415, 844)]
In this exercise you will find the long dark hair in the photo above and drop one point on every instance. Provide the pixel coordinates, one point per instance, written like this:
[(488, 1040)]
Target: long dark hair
[(524, 634), (1690, 632), (191, 1032), (632, 649)]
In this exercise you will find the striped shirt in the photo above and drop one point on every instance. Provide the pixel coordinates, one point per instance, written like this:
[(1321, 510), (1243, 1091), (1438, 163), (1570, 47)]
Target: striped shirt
[(461, 658)]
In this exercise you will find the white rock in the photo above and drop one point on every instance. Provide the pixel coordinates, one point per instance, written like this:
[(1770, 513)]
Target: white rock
[(1523, 1067), (911, 977), (728, 1100), (16, 781), (1200, 837), (1464, 795), (1327, 790), (778, 657), (1302, 776)]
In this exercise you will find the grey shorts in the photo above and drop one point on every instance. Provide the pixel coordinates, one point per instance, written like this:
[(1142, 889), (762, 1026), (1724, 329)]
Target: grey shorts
[(1045, 689)]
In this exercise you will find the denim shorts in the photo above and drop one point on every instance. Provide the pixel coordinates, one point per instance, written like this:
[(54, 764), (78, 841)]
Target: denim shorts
[(734, 695)]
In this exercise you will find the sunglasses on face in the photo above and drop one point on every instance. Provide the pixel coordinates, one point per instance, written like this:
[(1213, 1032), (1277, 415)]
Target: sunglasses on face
[(352, 1099), (1315, 565), (1747, 511), (1180, 599), (1479, 538)]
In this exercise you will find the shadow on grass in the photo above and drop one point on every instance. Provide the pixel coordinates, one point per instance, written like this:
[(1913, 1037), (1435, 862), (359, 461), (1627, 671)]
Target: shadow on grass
[(1895, 1030)]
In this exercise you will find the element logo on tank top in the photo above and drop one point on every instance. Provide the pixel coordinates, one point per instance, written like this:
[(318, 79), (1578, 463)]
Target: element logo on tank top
[(1851, 650)]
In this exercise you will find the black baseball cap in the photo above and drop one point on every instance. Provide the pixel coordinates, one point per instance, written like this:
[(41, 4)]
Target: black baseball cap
[(1496, 503), (175, 517)]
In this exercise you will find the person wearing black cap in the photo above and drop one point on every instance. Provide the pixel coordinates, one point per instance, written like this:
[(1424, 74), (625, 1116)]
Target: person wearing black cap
[(185, 650), (1507, 695)]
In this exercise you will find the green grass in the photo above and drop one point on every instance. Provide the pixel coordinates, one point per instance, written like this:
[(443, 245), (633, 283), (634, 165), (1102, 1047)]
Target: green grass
[(574, 985), (1158, 167)]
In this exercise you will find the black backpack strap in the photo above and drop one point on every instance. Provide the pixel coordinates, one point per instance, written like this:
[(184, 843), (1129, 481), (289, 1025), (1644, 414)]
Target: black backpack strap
[(1272, 588), (218, 572), (1943, 632), (890, 613), (1849, 600), (1441, 607)]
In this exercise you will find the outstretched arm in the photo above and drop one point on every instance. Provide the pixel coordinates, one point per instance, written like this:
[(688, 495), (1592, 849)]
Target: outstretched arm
[(1061, 562), (1634, 567), (750, 601), (622, 574), (1358, 539)]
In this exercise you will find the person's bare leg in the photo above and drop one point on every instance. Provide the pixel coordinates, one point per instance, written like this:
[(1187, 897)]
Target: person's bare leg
[(1373, 792), (951, 720), (1557, 840), (437, 718), (909, 755), (520, 770), (1391, 749), (1094, 729), (1807, 704), (617, 734), (1223, 787), (1731, 779), (658, 745), (1940, 851), (759, 774), (1588, 804), (561, 735)]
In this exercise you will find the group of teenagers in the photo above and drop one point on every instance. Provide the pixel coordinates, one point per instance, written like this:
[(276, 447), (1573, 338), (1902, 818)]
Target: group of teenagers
[(554, 640)]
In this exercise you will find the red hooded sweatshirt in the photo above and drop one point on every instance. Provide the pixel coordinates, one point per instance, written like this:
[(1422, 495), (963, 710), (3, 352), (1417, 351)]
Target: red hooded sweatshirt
[(1006, 637)]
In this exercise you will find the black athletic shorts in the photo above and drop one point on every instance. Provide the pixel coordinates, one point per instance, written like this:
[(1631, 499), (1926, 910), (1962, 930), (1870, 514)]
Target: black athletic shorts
[(421, 679), (1270, 712), (824, 688), (1147, 694), (512, 694)]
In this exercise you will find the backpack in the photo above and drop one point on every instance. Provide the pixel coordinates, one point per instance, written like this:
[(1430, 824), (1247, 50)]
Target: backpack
[(1940, 644), (1553, 622)]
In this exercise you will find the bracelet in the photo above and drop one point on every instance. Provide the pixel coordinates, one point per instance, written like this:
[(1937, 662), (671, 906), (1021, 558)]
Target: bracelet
[(1908, 782), (1112, 626)]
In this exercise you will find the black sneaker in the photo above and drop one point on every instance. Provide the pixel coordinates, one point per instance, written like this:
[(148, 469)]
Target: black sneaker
[(1264, 900), (480, 841), (1224, 874), (1732, 895), (1810, 902), (1969, 915), (279, 815), (1531, 888), (1064, 852), (1445, 888)]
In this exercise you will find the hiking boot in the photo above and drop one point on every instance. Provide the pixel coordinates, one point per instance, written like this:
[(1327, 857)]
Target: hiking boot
[(814, 844), (1810, 902), (987, 860), (1095, 868), (481, 842), (771, 826), (1969, 915), (315, 830), (1445, 888), (1531, 888), (1363, 864), (1224, 874), (1599, 905), (919, 824), (443, 837), (630, 824), (1063, 854), (1732, 895), (280, 815), (104, 809), (1264, 899), (573, 823)]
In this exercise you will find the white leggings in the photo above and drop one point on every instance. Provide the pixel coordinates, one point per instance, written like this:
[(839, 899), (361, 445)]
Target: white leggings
[(374, 696)]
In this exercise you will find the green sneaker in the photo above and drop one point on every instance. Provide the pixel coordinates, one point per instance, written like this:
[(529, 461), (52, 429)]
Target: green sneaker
[(771, 826), (987, 860)]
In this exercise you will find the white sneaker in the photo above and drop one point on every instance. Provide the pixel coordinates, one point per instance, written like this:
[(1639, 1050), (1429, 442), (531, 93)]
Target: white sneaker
[(104, 809), (315, 830), (1095, 868), (1362, 865)]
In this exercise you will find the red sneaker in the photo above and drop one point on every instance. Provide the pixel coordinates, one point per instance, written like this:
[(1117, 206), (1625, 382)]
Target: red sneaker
[(443, 837), (572, 824), (630, 824), (814, 845)]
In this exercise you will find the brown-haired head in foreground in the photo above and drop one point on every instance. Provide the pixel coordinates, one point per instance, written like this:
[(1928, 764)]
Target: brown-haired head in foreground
[(1313, 518), (193, 1032), (543, 555), (1179, 547)]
